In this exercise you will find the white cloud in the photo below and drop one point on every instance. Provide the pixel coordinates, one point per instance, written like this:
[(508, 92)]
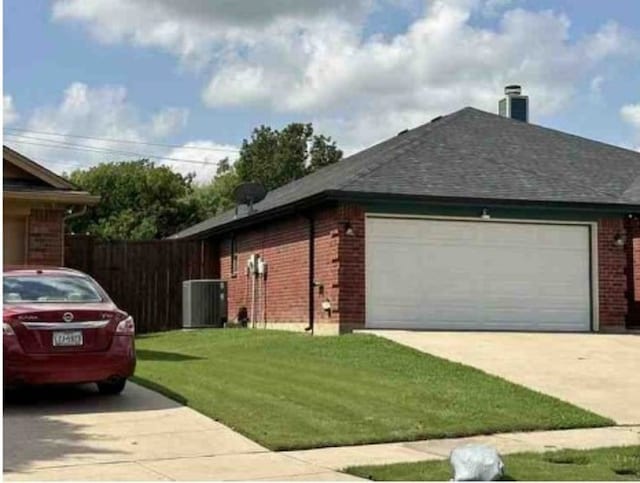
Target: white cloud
[(9, 113), (169, 121), (106, 112), (631, 115), (314, 59), (195, 29), (207, 153)]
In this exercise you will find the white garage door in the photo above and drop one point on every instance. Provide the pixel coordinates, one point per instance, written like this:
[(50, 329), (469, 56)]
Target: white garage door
[(485, 275)]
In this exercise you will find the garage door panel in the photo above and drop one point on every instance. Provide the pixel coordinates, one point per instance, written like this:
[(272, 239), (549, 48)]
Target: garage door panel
[(435, 274)]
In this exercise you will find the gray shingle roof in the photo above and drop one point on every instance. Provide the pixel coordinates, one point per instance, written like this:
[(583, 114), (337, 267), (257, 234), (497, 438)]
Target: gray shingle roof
[(471, 154)]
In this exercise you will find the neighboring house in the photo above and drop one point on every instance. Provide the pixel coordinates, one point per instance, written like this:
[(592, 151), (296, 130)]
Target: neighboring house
[(471, 221), (35, 202)]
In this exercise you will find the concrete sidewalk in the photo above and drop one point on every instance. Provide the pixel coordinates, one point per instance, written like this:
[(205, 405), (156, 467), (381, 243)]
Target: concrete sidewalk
[(141, 435), (76, 434), (435, 449)]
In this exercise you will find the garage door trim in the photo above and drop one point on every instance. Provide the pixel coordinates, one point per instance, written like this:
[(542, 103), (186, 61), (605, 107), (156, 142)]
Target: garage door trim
[(593, 253)]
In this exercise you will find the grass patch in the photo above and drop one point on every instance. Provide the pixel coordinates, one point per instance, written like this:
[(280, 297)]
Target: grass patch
[(294, 391), (603, 464)]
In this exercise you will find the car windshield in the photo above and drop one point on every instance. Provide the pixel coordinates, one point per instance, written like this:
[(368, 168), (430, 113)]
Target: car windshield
[(48, 288)]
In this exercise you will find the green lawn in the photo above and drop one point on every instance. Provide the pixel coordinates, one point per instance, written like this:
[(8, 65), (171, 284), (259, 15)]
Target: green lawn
[(605, 464), (293, 391)]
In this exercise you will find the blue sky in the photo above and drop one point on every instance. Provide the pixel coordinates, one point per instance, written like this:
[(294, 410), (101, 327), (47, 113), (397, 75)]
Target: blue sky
[(203, 76)]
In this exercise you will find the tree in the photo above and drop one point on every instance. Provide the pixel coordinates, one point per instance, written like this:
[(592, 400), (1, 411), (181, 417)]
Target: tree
[(323, 152), (142, 201), (275, 158), (217, 196), (138, 201)]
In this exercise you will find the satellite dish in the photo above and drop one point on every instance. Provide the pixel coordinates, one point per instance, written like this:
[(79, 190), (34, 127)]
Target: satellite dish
[(249, 194)]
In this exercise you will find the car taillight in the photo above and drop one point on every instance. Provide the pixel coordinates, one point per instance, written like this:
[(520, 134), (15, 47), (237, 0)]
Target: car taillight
[(126, 327), (7, 329)]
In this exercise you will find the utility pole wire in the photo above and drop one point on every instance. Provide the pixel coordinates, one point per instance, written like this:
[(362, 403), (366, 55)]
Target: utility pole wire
[(95, 149), (128, 141)]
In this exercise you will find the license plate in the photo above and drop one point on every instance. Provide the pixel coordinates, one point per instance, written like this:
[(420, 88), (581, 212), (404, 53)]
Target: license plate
[(67, 338)]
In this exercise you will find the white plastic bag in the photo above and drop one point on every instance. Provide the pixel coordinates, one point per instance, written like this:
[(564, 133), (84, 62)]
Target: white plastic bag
[(476, 462)]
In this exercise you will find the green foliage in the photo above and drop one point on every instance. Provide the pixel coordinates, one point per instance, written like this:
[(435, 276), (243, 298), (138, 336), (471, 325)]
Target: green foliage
[(139, 201), (323, 152), (275, 158), (142, 201), (270, 157), (217, 196)]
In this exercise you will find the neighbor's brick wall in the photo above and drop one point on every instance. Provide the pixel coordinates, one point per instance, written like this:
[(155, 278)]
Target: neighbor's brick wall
[(612, 261), (45, 237)]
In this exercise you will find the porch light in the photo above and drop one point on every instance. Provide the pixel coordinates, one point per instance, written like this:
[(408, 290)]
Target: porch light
[(619, 239), (485, 214), (348, 229)]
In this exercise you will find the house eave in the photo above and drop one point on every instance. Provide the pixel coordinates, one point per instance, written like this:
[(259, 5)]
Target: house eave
[(35, 169), (52, 196), (361, 197), (585, 207)]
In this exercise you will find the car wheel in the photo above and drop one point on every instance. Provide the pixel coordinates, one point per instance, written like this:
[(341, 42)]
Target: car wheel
[(112, 387)]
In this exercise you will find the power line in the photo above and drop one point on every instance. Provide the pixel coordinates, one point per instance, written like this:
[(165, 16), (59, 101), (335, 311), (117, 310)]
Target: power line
[(97, 149), (91, 149), (127, 141), (94, 149)]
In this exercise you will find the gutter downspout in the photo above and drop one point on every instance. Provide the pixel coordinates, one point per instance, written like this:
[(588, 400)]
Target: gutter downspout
[(312, 236)]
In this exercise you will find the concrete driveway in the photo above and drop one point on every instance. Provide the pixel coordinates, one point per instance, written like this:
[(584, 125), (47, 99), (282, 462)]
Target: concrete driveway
[(77, 434), (599, 372)]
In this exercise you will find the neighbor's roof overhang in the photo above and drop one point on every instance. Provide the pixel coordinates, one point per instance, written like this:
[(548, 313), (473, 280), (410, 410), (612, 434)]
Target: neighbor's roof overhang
[(53, 196), (36, 169)]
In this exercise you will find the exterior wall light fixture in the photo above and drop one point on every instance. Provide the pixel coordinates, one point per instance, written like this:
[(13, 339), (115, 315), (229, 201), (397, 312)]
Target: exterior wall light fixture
[(619, 239), (348, 229)]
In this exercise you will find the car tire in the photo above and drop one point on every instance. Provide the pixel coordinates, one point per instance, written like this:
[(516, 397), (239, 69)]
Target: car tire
[(112, 387)]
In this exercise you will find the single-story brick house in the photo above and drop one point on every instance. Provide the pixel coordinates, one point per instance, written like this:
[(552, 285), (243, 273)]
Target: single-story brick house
[(473, 221), (35, 202)]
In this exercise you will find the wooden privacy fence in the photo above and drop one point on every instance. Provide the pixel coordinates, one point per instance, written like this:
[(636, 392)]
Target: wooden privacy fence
[(144, 278)]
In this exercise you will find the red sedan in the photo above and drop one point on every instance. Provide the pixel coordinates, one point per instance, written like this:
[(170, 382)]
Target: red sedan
[(59, 326)]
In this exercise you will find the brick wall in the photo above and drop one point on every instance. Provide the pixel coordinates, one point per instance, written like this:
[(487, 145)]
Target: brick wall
[(45, 237), (340, 271), (352, 270), (612, 263), (326, 267), (283, 298)]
